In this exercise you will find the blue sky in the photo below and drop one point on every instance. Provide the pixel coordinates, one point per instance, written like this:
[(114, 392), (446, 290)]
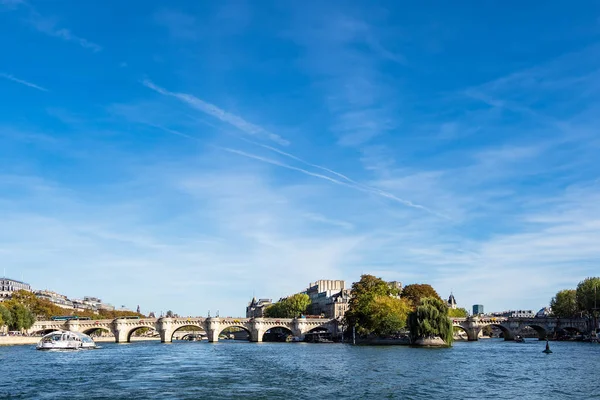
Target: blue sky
[(187, 155)]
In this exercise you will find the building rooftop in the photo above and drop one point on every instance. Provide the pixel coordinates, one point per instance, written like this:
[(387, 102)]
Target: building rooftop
[(13, 280), (451, 299)]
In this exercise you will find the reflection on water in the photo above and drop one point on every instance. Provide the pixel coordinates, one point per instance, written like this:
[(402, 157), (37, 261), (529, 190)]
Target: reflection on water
[(199, 370)]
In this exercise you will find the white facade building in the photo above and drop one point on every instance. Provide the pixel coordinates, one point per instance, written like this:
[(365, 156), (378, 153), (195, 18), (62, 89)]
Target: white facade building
[(9, 286)]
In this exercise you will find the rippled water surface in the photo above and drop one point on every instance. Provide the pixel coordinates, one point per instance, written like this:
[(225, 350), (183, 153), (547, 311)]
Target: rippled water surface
[(230, 369)]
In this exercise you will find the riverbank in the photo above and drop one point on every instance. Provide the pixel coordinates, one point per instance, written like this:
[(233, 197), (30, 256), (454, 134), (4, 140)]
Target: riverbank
[(382, 342), (25, 340)]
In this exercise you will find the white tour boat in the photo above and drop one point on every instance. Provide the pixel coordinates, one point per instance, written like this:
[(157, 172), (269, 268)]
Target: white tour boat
[(66, 340)]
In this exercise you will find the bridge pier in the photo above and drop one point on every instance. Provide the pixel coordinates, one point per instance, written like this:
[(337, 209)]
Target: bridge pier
[(212, 329), (300, 328), (121, 336), (73, 325), (165, 329), (257, 330), (256, 336), (473, 334), (120, 331)]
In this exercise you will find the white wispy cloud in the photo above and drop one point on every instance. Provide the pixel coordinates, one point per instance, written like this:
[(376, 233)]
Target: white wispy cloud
[(218, 113), (296, 158), (351, 184), (270, 230), (283, 165), (48, 25), (22, 82)]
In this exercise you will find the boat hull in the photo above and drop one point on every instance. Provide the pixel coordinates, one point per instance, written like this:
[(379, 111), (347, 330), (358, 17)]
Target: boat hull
[(65, 346), (66, 340)]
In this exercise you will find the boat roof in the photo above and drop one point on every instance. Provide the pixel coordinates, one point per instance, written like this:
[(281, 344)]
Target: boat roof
[(78, 334)]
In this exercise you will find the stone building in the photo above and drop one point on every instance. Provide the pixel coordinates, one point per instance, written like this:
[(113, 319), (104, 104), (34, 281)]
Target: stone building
[(96, 304), (321, 295), (56, 298), (396, 285), (256, 308), (451, 302), (9, 286), (338, 304), (544, 312)]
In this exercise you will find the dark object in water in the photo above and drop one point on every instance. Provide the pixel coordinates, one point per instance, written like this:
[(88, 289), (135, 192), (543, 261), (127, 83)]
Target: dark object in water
[(547, 351)]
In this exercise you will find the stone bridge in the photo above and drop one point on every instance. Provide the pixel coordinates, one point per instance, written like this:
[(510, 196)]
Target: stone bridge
[(123, 328), (511, 327)]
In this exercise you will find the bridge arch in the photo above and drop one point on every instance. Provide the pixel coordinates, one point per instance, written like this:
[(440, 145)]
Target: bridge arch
[(276, 333), (97, 331), (137, 328), (541, 331), (319, 329), (198, 328), (227, 328), (507, 334), (456, 329), (46, 331), (571, 329)]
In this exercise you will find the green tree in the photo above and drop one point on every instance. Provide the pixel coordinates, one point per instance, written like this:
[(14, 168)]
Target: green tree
[(41, 308), (45, 309), (564, 304), (388, 315), (369, 309), (588, 295), (5, 316), (275, 310), (457, 313), (430, 319), (415, 292), (21, 317), (297, 304), (289, 307)]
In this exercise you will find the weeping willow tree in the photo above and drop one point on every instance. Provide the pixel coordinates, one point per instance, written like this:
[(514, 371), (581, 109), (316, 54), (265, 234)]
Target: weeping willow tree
[(430, 320)]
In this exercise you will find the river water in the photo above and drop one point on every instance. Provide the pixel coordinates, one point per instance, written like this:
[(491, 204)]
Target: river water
[(231, 369)]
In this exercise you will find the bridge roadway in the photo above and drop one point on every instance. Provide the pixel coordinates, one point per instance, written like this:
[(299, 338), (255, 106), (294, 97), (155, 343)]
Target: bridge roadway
[(511, 327), (123, 328)]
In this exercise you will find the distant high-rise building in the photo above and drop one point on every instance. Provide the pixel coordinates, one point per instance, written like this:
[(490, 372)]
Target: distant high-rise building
[(477, 309)]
